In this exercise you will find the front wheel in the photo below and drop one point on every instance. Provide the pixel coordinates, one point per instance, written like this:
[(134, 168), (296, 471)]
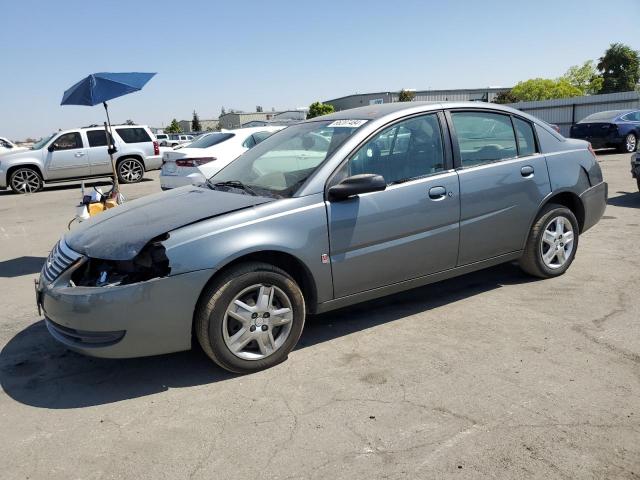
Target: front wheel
[(130, 170), (25, 180), (552, 242), (250, 318)]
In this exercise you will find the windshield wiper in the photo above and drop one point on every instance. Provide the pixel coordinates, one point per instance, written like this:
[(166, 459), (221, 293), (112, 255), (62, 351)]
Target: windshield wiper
[(233, 184)]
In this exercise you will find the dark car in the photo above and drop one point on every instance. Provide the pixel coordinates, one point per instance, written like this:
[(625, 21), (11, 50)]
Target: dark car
[(618, 129)]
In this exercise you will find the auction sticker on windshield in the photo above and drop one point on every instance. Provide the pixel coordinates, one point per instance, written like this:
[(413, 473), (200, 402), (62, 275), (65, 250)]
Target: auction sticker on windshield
[(348, 123)]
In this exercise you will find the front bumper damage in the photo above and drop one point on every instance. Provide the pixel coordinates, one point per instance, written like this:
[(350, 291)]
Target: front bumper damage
[(149, 317)]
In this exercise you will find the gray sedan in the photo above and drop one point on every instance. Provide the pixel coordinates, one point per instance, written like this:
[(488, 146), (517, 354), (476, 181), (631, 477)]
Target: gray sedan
[(326, 213)]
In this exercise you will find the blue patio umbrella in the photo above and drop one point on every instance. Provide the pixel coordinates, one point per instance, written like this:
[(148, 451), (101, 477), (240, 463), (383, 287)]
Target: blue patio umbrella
[(100, 87)]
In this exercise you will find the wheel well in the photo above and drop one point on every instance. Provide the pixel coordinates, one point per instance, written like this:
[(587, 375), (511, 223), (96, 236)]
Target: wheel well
[(290, 264), (35, 168), (572, 202), (137, 157)]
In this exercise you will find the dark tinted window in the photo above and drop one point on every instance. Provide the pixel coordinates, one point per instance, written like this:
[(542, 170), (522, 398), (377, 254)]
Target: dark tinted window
[(260, 136), (404, 151), (68, 141), (97, 138), (483, 137), (210, 139), (133, 135), (526, 139), (249, 142)]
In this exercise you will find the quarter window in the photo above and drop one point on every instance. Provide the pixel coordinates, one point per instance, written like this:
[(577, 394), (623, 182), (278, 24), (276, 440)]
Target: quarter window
[(133, 135), (68, 141), (483, 137), (526, 140), (249, 142), (407, 150)]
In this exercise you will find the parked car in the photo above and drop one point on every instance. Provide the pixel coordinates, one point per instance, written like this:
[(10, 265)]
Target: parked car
[(81, 153), (618, 129), (635, 168), (176, 139), (161, 138), (277, 234), (7, 146), (208, 154)]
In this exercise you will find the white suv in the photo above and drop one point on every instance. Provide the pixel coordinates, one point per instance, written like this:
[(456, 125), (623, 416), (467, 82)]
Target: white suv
[(78, 154)]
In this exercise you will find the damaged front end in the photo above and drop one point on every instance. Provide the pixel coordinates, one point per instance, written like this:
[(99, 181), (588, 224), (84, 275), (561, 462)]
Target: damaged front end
[(150, 263)]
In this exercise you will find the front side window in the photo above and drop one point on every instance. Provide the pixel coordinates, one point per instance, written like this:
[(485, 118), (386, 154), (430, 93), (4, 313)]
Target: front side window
[(278, 166), (526, 139), (483, 137), (133, 135), (68, 141), (407, 150)]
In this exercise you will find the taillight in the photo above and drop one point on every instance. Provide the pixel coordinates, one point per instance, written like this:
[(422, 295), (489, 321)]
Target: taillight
[(156, 148), (194, 162)]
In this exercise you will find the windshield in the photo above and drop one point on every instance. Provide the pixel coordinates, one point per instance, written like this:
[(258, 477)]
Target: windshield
[(210, 139), (278, 166), (41, 143)]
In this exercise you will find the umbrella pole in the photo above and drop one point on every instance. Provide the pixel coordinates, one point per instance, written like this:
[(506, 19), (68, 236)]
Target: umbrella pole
[(111, 148)]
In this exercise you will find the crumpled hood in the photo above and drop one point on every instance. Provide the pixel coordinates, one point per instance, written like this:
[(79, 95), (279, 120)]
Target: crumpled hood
[(120, 233)]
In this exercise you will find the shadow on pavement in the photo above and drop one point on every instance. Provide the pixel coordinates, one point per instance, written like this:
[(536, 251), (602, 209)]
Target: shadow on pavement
[(626, 199), (37, 371), (17, 267)]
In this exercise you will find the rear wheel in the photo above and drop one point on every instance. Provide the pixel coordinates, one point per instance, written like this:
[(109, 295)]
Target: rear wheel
[(638, 182), (630, 144), (130, 170), (552, 243), (250, 318), (25, 180)]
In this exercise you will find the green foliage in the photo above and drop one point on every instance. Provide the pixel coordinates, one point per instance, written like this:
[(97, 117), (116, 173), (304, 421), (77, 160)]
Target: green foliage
[(505, 97), (317, 109), (584, 77), (406, 95), (544, 89), (259, 108), (174, 127), (620, 69), (195, 123), (129, 122)]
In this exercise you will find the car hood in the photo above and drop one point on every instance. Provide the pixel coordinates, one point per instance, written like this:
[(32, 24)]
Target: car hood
[(21, 153), (120, 233)]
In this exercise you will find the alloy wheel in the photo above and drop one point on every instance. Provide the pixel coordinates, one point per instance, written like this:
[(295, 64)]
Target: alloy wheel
[(131, 170), (557, 243), (257, 322), (26, 180), (631, 143)]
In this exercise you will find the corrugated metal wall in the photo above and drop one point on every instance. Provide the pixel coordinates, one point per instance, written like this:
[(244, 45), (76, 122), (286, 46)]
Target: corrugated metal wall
[(566, 111)]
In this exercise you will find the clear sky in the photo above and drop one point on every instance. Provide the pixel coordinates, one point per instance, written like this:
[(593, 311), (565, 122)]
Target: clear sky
[(283, 54)]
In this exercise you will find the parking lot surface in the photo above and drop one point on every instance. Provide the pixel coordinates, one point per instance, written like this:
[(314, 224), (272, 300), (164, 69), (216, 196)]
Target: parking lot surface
[(490, 375)]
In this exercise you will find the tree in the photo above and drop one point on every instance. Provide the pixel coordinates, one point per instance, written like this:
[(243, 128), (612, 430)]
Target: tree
[(584, 77), (620, 69), (223, 111), (195, 123), (406, 95), (174, 127), (258, 108), (505, 97), (129, 122), (317, 109), (544, 89)]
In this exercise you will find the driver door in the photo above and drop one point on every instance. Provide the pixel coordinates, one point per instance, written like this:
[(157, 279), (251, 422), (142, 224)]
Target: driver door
[(410, 229), (67, 157)]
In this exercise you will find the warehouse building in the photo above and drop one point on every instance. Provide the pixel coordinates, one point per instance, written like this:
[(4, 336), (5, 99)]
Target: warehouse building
[(461, 95), (233, 120)]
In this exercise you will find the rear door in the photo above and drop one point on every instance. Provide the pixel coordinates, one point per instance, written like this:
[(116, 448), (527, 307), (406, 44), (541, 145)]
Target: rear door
[(99, 159), (69, 158), (503, 180), (406, 231)]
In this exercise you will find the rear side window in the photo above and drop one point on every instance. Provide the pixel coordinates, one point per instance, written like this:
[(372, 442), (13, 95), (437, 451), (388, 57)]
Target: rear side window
[(210, 140), (483, 137), (249, 142), (133, 135), (526, 139), (97, 138), (260, 136)]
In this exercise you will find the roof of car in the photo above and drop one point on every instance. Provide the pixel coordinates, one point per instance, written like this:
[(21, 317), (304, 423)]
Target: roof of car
[(372, 112), (605, 115)]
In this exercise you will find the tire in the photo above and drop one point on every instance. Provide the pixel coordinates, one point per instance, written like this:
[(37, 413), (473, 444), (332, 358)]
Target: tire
[(538, 258), (25, 180), (638, 182), (130, 170), (630, 144), (261, 340)]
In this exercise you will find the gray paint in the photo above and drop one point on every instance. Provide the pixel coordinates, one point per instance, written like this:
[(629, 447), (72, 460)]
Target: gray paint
[(379, 243)]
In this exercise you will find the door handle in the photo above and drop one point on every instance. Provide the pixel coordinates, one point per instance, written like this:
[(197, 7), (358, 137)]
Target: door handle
[(437, 193), (80, 154), (527, 171)]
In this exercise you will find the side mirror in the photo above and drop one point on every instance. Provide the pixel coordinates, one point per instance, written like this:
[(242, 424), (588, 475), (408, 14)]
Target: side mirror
[(51, 147), (357, 184)]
